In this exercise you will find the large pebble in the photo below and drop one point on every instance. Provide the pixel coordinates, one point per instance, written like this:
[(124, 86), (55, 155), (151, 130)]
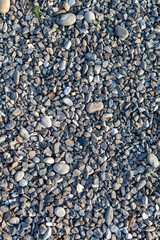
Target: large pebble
[(59, 212), (24, 133), (14, 220), (153, 160), (109, 215), (68, 101), (4, 6), (19, 175), (49, 160), (121, 32), (89, 16), (47, 233), (46, 121), (68, 19), (10, 125), (94, 107), (61, 168)]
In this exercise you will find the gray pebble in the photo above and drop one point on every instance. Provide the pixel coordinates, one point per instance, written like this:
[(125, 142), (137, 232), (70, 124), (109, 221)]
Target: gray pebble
[(46, 121), (67, 90), (10, 125), (61, 168), (68, 45), (89, 16), (16, 77), (153, 160), (59, 212), (121, 32), (68, 19), (141, 184), (109, 215), (24, 133), (94, 107), (67, 101), (19, 175), (62, 65), (14, 220), (49, 160), (47, 234)]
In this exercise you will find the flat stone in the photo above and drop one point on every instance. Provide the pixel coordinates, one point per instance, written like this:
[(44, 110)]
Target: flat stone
[(67, 101), (16, 77), (68, 19), (61, 168), (94, 107), (59, 211), (83, 142), (10, 125), (49, 160), (89, 16), (66, 6), (4, 6), (19, 175), (24, 133), (79, 188), (23, 182), (46, 121), (141, 184), (47, 234), (153, 160), (14, 220), (121, 32), (109, 215), (62, 65), (68, 45)]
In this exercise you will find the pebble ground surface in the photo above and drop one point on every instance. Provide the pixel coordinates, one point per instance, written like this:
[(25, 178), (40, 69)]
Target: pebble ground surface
[(79, 119)]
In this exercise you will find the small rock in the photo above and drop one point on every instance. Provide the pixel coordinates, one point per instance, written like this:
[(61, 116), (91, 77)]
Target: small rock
[(89, 16), (108, 234), (62, 65), (109, 215), (19, 175), (61, 168), (71, 2), (141, 184), (14, 220), (94, 107), (49, 160), (83, 142), (121, 32), (10, 125), (79, 188), (16, 77), (107, 49), (4, 6), (158, 146), (5, 27), (60, 212), (68, 45), (153, 160), (24, 133), (23, 183), (46, 121), (68, 19), (67, 90), (66, 6), (106, 116), (67, 101), (47, 234)]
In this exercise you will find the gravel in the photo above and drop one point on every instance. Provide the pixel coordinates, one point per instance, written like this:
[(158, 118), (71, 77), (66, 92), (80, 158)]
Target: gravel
[(79, 120)]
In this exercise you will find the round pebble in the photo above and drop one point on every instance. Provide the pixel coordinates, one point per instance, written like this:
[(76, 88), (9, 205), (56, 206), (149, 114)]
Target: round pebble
[(4, 6), (60, 212), (68, 19), (61, 168), (121, 32), (19, 175), (49, 160), (153, 160), (89, 16), (46, 121), (94, 107)]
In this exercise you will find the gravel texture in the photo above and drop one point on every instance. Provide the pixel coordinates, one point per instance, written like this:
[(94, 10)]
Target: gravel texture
[(79, 120)]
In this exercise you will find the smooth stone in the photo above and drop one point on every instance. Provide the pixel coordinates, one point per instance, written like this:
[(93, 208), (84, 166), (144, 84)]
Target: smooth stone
[(141, 184), (109, 215), (62, 65), (47, 234), (67, 90), (68, 45), (10, 125), (61, 168), (68, 19), (121, 32), (79, 188), (59, 212), (14, 220), (49, 160), (67, 101), (66, 6), (4, 6), (46, 121), (158, 146), (107, 49), (19, 175), (24, 133), (106, 116), (71, 2), (83, 142), (94, 107), (89, 16), (23, 182), (153, 160), (16, 77)]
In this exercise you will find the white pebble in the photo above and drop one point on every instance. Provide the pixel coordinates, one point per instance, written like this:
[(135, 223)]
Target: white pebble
[(79, 188), (71, 2), (67, 101), (19, 175), (23, 183), (129, 236), (62, 65), (144, 216), (67, 90), (68, 45), (60, 212), (49, 160), (89, 16), (47, 233), (114, 131)]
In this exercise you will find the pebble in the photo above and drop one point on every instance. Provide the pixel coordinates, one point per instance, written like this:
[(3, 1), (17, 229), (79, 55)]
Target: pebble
[(66, 6), (61, 168), (141, 184), (153, 160), (68, 19), (67, 101), (121, 32), (19, 175), (14, 220), (68, 45), (23, 183), (10, 125), (46, 121), (16, 77), (60, 212), (47, 234), (79, 188), (24, 133), (49, 160), (109, 215), (4, 6), (94, 107), (71, 2), (89, 16), (62, 65), (106, 116), (67, 90)]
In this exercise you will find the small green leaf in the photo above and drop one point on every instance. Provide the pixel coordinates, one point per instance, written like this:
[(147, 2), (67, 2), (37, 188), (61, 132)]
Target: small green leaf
[(37, 12), (96, 22)]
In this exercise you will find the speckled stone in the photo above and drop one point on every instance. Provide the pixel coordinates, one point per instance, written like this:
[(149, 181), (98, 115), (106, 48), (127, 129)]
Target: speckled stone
[(68, 19)]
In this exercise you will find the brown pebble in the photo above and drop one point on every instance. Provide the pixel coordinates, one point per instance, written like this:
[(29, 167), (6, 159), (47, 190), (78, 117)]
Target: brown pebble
[(19, 139)]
